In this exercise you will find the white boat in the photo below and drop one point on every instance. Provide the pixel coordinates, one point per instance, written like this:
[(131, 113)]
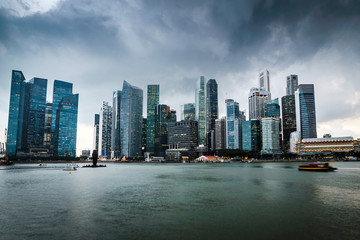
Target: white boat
[(70, 167)]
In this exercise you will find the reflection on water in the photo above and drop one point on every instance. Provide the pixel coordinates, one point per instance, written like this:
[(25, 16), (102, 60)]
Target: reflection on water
[(181, 201)]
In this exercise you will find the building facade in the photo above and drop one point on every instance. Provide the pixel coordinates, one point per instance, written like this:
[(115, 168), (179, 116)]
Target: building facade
[(326, 145), (251, 135), (131, 120), (264, 81), (220, 133), (115, 131), (47, 127), (257, 103), (292, 84), (163, 117), (288, 120), (183, 135), (305, 111), (188, 112), (200, 110), (270, 131), (273, 108), (96, 133), (234, 118), (153, 92), (105, 128)]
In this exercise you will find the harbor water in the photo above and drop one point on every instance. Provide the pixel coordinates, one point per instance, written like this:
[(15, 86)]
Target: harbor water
[(180, 201)]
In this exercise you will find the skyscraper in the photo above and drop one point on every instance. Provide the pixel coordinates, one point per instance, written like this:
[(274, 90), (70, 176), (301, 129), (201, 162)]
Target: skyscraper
[(288, 119), (115, 132), (105, 128), (305, 111), (16, 109), (66, 126), (291, 84), (251, 135), (47, 127), (264, 81), (183, 134), (257, 103), (234, 118), (152, 102), (212, 103), (131, 120), (220, 133), (36, 113), (188, 112), (270, 131), (200, 110), (273, 108), (163, 117), (96, 132)]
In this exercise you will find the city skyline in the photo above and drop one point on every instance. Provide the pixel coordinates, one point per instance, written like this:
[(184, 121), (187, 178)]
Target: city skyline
[(41, 47)]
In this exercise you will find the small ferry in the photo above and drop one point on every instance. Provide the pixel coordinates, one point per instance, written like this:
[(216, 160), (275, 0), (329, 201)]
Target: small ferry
[(70, 167), (320, 167)]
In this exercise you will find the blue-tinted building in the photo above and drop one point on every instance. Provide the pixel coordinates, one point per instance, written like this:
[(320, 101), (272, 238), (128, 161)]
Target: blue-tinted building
[(188, 112), (66, 126), (200, 110), (115, 136), (305, 111), (234, 118), (36, 113), (131, 120), (251, 135), (152, 101), (273, 108), (60, 90), (16, 109)]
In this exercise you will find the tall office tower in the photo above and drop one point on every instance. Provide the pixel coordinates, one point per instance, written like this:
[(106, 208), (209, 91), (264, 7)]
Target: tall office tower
[(36, 113), (200, 110), (264, 81), (131, 120), (220, 133), (96, 132), (188, 112), (115, 131), (152, 101), (273, 108), (257, 103), (212, 103), (183, 135), (163, 117), (66, 126), (16, 112), (251, 135), (143, 141), (270, 131), (288, 119), (47, 125), (233, 124), (305, 111), (105, 128), (291, 84), (60, 90)]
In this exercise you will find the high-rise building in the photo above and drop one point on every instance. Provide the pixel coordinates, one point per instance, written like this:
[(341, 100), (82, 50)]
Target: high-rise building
[(152, 102), (264, 81), (220, 133), (251, 135), (47, 127), (305, 111), (288, 119), (291, 84), (162, 120), (212, 103), (234, 118), (16, 113), (257, 103), (143, 142), (200, 110), (270, 131), (66, 126), (36, 113), (183, 134), (131, 120), (115, 132), (188, 112), (273, 108), (105, 128), (96, 132)]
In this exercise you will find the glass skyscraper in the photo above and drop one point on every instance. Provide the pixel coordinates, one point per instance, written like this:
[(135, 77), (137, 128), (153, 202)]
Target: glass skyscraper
[(152, 101), (212, 103), (291, 84), (234, 118), (61, 89), (220, 133), (163, 117), (273, 108), (66, 126), (131, 120), (270, 131), (200, 110), (257, 103), (251, 135), (305, 111), (47, 128), (36, 113), (105, 128), (188, 112), (96, 132), (16, 109), (115, 133), (288, 119), (264, 81)]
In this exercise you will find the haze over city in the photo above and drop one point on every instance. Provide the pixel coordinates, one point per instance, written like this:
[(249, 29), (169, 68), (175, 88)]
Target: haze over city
[(96, 45)]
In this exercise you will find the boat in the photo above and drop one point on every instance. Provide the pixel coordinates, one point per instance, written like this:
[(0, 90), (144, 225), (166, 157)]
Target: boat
[(70, 167), (317, 167)]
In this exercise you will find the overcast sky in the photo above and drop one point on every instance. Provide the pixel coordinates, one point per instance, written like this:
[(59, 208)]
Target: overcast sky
[(98, 44)]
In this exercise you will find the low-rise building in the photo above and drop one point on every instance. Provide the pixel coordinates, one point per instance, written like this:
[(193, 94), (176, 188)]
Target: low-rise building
[(327, 144)]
